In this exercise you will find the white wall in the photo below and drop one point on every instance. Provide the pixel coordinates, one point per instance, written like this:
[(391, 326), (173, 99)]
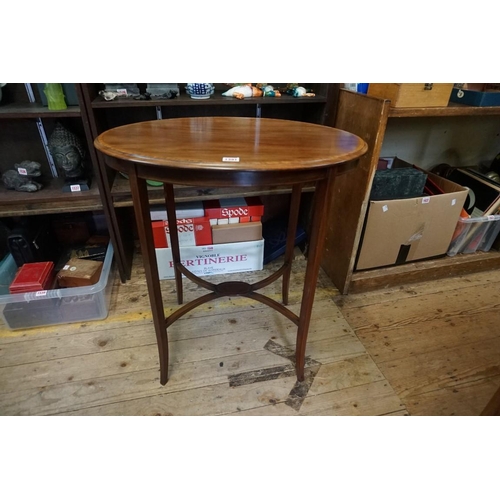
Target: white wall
[(458, 141)]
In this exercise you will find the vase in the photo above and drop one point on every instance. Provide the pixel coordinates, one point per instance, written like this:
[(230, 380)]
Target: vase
[(55, 96), (200, 90)]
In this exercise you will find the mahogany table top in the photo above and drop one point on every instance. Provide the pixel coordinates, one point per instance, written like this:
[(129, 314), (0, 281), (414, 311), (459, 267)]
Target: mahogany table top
[(231, 144)]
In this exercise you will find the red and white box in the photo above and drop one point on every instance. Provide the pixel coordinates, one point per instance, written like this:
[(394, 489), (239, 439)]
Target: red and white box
[(234, 210), (191, 232), (183, 210), (213, 259)]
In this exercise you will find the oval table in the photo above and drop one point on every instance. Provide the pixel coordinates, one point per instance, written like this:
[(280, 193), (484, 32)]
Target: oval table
[(224, 152)]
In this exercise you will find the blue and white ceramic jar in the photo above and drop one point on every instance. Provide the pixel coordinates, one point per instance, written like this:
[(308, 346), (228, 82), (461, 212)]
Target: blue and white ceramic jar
[(200, 90)]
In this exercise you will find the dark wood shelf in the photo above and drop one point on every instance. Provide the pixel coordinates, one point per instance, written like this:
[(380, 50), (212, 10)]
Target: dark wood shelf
[(122, 197), (49, 200), (214, 100), (24, 110), (453, 109)]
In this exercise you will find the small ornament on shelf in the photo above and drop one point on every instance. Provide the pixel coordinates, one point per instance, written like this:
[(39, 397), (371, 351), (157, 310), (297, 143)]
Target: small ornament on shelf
[(242, 91), (200, 90), (269, 91), (107, 95), (20, 178), (68, 153), (163, 89), (295, 90), (55, 96), (123, 89)]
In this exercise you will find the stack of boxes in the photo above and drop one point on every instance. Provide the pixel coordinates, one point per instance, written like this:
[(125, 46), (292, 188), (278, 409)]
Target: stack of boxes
[(215, 236)]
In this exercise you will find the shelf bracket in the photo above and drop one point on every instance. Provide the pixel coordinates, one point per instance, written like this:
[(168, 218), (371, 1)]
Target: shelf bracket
[(41, 131)]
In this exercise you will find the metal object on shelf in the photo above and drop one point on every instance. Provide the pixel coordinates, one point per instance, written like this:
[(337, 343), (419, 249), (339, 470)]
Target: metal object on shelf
[(41, 131)]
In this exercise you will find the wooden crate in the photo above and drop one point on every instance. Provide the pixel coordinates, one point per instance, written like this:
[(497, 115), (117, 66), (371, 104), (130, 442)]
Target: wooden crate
[(412, 95)]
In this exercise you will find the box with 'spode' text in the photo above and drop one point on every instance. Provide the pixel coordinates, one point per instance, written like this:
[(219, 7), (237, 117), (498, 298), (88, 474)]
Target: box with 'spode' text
[(190, 232), (214, 259), (234, 210)]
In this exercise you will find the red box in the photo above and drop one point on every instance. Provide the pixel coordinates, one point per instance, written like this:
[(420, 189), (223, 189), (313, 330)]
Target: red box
[(192, 232), (233, 210), (32, 277)]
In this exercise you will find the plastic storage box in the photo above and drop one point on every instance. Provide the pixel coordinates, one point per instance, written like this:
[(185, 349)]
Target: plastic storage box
[(8, 269), (64, 305), (474, 234)]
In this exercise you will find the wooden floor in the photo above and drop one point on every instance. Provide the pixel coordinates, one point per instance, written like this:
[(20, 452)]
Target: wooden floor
[(428, 349)]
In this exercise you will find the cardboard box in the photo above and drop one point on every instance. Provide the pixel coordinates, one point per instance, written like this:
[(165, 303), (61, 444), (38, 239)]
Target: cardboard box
[(183, 210), (400, 231), (234, 210), (233, 233), (191, 232), (214, 259), (412, 95)]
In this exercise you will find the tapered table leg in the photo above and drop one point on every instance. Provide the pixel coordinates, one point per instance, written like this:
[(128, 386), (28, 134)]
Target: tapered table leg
[(322, 197), (290, 239), (139, 192), (174, 237)]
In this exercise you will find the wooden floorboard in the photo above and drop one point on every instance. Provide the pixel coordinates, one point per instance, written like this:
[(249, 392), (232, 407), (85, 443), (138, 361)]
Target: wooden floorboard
[(437, 343), (431, 348), (227, 357)]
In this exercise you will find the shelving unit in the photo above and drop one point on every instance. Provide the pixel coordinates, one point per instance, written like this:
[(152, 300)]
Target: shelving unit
[(104, 115), (49, 200), (21, 110), (368, 117), (214, 100), (20, 140)]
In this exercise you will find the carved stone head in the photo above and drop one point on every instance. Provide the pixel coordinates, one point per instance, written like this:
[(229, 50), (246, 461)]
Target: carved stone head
[(67, 151)]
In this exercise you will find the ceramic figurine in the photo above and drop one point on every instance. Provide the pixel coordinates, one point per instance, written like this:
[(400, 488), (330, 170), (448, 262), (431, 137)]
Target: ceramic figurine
[(200, 90), (160, 89), (68, 153), (297, 91), (269, 91), (122, 89), (20, 179), (242, 91), (302, 92), (108, 95)]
